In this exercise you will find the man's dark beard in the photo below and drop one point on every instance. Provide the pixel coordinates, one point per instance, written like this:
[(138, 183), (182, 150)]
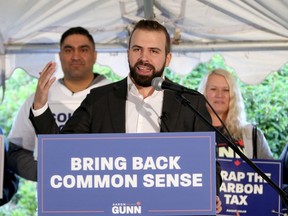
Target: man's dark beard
[(145, 81)]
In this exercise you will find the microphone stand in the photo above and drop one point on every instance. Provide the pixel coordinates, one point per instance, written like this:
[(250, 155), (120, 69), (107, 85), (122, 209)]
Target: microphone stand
[(181, 99)]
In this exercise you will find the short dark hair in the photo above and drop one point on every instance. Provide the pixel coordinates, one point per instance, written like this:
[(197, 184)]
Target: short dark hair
[(152, 25), (77, 30)]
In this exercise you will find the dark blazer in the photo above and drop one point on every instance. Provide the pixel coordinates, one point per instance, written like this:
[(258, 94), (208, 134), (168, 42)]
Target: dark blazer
[(103, 111)]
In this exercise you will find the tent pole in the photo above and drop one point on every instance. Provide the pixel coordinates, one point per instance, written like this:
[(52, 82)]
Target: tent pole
[(148, 9)]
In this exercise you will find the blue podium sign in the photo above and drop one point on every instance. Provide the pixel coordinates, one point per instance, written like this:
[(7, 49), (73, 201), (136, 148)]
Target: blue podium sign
[(246, 191), (127, 174)]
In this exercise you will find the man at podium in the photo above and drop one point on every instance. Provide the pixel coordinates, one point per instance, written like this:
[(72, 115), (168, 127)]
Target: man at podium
[(131, 105)]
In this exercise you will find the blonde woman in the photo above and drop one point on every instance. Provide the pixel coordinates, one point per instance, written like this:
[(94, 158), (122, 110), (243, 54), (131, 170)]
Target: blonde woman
[(222, 92)]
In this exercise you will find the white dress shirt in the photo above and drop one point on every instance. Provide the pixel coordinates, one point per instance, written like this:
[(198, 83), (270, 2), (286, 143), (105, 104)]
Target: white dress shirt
[(143, 114)]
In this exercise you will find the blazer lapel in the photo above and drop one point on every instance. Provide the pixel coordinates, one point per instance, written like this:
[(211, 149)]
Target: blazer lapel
[(117, 104), (170, 112)]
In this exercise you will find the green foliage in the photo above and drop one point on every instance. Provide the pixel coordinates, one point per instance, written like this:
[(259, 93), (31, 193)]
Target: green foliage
[(265, 103), (193, 79), (27, 200), (23, 203), (18, 87), (107, 72)]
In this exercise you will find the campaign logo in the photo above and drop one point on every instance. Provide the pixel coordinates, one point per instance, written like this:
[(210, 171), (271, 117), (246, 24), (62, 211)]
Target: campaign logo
[(126, 208)]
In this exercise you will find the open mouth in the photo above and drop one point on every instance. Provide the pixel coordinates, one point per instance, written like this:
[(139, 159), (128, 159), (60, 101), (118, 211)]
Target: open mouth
[(144, 69)]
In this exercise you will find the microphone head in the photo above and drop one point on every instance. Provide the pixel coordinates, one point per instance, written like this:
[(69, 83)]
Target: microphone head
[(157, 83)]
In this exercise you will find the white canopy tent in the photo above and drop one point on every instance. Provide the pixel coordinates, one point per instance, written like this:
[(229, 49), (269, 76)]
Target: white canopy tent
[(252, 35)]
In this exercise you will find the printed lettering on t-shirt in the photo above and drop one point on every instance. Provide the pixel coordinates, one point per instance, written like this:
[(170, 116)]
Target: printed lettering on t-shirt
[(63, 110)]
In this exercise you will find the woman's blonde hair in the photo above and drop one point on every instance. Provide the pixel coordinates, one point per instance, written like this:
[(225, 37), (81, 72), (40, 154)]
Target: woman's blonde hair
[(236, 117)]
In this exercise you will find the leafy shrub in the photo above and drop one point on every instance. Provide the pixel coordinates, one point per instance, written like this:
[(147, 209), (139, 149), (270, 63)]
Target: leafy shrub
[(265, 103), (24, 202)]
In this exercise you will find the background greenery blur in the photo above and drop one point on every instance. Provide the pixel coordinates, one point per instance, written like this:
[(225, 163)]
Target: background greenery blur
[(266, 105)]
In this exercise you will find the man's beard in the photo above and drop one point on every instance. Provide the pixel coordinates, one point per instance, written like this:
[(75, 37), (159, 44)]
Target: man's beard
[(145, 81)]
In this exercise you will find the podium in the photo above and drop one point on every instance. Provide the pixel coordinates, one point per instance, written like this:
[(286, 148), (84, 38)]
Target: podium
[(127, 174)]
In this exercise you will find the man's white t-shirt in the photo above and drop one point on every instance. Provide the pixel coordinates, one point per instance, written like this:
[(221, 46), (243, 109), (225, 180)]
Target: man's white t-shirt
[(62, 103)]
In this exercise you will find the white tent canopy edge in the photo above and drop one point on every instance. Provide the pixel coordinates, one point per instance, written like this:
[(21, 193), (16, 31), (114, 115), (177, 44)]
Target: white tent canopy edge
[(251, 35)]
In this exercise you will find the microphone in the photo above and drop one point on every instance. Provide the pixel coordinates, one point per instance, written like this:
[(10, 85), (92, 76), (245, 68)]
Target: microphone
[(160, 84)]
